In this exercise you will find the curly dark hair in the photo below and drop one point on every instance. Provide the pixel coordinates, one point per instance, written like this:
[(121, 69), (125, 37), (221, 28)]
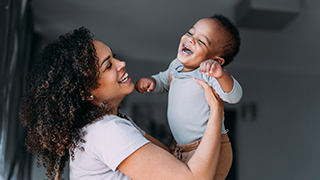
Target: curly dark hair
[(54, 107), (232, 46)]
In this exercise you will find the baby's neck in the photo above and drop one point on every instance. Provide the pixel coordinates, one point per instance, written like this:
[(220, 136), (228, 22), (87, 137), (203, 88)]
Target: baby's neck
[(188, 69)]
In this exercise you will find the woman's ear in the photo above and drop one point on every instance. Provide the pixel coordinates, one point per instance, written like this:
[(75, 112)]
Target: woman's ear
[(220, 60)]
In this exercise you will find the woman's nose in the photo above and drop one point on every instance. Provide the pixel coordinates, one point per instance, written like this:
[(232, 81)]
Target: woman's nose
[(121, 64)]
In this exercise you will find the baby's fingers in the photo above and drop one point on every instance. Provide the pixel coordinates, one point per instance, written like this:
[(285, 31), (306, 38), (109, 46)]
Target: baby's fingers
[(207, 66), (150, 87), (203, 67), (138, 88)]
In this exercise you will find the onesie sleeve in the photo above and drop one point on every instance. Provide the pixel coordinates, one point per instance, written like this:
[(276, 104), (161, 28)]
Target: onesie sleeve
[(162, 78), (231, 97), (115, 140), (162, 82)]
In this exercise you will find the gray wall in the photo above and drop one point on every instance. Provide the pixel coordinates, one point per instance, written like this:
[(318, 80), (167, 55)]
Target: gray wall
[(280, 74)]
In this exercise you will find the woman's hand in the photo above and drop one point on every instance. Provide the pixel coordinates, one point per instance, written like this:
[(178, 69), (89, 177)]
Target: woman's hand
[(213, 99)]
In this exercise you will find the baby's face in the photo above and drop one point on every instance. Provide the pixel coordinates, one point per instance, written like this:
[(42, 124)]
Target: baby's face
[(202, 42)]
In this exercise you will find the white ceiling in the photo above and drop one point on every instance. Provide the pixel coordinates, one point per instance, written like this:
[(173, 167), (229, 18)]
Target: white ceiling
[(135, 29)]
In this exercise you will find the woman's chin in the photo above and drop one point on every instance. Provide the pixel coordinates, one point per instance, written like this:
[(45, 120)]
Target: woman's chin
[(131, 88)]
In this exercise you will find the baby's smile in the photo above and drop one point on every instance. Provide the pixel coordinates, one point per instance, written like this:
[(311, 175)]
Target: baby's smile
[(186, 50)]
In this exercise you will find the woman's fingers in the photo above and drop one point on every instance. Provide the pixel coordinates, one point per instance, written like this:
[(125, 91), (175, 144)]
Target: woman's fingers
[(211, 96), (201, 83)]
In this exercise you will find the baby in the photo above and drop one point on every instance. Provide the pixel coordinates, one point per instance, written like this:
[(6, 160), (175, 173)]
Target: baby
[(204, 50)]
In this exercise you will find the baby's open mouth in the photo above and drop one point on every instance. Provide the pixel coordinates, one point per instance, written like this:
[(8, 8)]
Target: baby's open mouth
[(186, 50), (124, 78)]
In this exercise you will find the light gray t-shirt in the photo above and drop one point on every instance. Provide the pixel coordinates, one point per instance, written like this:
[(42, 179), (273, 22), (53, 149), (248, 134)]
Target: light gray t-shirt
[(188, 111), (108, 142)]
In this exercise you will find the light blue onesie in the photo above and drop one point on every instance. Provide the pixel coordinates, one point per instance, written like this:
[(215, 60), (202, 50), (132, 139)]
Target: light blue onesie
[(188, 111)]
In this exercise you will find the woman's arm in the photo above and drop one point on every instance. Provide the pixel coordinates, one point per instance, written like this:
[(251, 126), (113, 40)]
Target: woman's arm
[(156, 142), (152, 162)]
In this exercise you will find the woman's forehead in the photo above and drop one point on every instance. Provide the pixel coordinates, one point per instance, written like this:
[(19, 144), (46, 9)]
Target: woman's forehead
[(102, 50)]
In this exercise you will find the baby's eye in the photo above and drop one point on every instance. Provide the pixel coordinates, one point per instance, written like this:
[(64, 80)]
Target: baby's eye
[(189, 33), (202, 42)]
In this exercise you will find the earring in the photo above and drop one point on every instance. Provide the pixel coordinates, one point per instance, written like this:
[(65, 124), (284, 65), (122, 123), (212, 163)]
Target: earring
[(102, 105), (91, 97)]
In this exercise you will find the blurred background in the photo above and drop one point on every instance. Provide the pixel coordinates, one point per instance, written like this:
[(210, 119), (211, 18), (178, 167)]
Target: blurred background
[(274, 129)]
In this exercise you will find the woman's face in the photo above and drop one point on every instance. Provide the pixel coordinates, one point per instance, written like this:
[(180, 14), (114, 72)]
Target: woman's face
[(114, 81)]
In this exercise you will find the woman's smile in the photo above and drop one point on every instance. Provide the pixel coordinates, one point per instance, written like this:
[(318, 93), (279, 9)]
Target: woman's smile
[(125, 78)]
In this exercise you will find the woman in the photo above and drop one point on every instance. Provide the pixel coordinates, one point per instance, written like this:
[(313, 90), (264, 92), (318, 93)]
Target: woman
[(70, 110)]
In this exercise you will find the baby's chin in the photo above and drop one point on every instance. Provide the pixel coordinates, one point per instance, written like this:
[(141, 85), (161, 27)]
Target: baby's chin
[(184, 59), (179, 59)]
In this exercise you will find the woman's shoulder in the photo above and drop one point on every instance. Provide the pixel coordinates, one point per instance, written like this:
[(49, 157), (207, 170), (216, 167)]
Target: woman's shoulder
[(109, 125), (112, 139), (107, 121)]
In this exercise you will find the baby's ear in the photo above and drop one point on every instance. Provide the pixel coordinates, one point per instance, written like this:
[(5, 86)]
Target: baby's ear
[(220, 60)]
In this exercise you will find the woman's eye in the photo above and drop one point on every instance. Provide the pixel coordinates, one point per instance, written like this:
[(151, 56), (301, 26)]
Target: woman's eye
[(109, 66), (189, 33)]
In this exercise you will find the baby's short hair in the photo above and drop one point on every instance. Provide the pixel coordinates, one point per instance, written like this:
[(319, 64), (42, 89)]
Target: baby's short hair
[(232, 46)]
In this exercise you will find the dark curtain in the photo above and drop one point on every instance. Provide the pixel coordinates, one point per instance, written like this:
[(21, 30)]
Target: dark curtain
[(16, 38)]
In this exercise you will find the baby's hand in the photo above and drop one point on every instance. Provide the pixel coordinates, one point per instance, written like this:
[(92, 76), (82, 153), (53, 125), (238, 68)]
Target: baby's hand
[(211, 68), (145, 84)]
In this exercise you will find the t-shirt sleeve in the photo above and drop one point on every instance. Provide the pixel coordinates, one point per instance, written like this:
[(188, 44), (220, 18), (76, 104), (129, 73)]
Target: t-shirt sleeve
[(113, 141)]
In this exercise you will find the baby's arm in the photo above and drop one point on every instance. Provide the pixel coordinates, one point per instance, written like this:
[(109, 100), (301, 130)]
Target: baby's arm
[(158, 83), (214, 69)]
